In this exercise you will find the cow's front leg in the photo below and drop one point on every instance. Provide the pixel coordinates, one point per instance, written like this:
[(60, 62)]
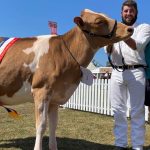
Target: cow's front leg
[(41, 111), (53, 119)]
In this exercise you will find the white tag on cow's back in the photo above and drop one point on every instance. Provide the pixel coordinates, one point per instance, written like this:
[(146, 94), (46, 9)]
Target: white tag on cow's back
[(87, 76)]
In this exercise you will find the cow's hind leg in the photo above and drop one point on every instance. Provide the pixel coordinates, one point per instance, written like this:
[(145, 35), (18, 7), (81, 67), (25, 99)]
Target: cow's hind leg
[(41, 111), (53, 119)]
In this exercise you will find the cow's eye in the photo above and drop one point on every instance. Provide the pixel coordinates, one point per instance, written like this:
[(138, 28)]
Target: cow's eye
[(100, 23)]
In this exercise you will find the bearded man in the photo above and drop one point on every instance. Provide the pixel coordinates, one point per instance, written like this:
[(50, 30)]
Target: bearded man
[(128, 80)]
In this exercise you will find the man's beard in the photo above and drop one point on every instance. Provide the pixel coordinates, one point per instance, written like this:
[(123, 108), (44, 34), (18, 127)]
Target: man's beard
[(129, 23)]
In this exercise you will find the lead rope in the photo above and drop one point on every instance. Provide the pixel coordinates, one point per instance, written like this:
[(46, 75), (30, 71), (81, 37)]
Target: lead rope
[(71, 54), (114, 66)]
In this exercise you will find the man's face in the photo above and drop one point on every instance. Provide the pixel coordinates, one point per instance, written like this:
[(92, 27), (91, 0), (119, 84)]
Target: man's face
[(129, 15)]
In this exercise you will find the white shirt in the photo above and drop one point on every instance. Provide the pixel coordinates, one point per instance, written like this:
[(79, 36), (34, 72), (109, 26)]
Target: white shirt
[(141, 36)]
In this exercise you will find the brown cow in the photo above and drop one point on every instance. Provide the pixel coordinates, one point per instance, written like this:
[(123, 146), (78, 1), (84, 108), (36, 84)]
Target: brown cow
[(48, 67)]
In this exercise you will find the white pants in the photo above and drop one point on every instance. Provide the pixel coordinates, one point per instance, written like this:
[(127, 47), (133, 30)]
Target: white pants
[(129, 84)]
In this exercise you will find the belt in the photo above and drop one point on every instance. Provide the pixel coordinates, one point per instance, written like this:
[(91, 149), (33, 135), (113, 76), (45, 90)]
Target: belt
[(130, 66)]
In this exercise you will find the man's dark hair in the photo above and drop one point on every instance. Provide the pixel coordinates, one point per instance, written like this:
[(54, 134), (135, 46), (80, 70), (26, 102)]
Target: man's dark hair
[(130, 3)]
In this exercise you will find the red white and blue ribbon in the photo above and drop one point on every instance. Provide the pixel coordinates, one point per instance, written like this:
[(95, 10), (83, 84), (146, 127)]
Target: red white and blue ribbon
[(5, 45)]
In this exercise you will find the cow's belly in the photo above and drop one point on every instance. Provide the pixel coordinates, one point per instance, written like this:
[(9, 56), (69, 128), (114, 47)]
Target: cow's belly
[(22, 96)]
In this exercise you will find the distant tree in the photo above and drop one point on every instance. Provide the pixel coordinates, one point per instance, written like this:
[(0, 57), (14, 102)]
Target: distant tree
[(108, 64), (96, 64)]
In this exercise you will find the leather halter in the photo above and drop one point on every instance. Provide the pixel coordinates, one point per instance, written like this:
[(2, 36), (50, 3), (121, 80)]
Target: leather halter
[(108, 36)]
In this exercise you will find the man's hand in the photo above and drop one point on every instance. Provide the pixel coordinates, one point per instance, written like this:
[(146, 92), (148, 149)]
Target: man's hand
[(131, 43), (109, 49)]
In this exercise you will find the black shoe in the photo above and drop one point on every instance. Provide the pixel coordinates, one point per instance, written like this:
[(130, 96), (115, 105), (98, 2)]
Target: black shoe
[(120, 148)]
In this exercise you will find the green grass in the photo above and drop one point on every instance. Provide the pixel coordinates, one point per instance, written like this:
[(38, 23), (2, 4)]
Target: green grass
[(76, 130)]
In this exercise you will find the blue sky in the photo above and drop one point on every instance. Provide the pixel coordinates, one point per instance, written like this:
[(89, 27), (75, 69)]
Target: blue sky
[(25, 18)]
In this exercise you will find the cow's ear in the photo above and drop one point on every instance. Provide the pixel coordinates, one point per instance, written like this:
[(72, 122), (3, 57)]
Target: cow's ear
[(79, 21)]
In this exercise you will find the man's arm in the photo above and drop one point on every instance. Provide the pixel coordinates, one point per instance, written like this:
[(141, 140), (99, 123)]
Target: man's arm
[(142, 38)]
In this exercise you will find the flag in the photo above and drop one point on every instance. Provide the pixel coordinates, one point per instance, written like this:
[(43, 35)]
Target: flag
[(53, 27)]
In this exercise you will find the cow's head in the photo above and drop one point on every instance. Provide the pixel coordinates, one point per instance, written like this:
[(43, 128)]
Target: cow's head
[(101, 28)]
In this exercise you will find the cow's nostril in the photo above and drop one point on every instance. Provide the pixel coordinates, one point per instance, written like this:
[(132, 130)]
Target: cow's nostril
[(130, 30)]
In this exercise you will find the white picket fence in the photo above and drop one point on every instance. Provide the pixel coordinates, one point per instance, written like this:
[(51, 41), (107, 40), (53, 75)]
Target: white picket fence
[(94, 98)]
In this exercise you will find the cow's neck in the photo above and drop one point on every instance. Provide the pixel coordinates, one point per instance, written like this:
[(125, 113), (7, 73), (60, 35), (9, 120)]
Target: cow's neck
[(79, 46)]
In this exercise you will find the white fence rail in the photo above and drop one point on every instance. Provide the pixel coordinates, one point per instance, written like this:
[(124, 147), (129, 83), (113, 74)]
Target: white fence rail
[(94, 98)]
